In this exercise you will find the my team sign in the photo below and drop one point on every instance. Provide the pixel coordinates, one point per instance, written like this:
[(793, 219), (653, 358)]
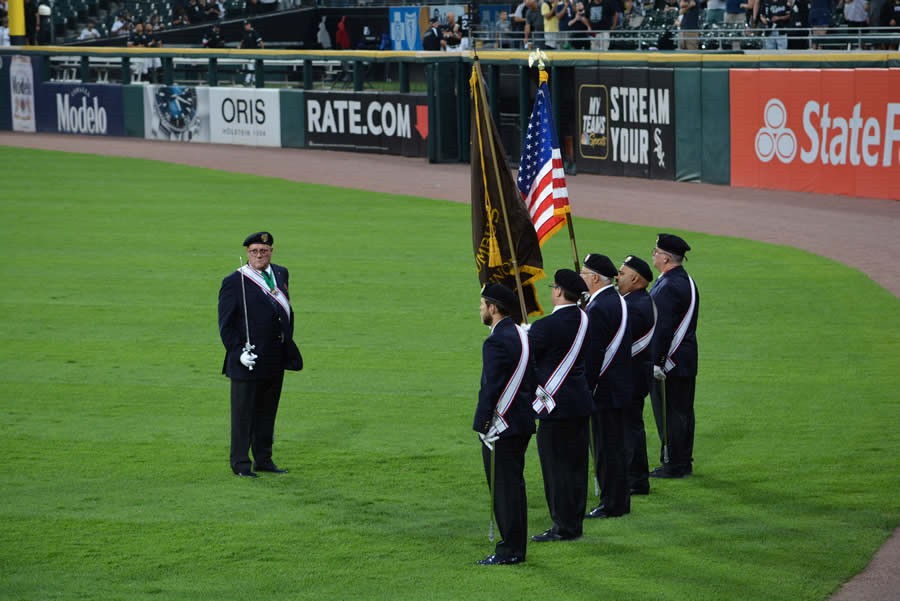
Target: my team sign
[(835, 131), (388, 123), (625, 122)]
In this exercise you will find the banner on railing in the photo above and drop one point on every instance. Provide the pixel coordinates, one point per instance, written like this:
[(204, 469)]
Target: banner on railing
[(834, 131), (625, 122), (75, 108), (406, 27), (247, 116), (21, 93), (176, 113), (368, 122)]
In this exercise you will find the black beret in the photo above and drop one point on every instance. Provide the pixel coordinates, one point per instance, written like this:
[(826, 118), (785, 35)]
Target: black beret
[(601, 264), (672, 244), (570, 281), (640, 266), (259, 238), (500, 295)]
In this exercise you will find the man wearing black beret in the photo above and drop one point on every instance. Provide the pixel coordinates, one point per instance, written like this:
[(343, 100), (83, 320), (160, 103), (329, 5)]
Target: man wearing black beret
[(256, 324), (563, 405), (674, 357), (504, 420), (608, 368), (634, 277)]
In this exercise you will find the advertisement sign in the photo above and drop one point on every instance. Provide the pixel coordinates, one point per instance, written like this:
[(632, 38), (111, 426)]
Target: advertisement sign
[(834, 131), (625, 122), (406, 28), (89, 109), (373, 122), (21, 92), (176, 113), (247, 116)]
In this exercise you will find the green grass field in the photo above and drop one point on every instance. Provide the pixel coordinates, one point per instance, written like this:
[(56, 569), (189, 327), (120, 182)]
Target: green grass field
[(114, 417)]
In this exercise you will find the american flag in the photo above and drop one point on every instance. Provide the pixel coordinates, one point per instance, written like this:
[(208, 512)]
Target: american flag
[(542, 180)]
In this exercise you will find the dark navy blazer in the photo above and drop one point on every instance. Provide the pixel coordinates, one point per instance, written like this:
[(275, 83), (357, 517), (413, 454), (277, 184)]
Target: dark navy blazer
[(640, 320), (271, 329), (672, 295), (613, 389), (551, 338), (500, 353)]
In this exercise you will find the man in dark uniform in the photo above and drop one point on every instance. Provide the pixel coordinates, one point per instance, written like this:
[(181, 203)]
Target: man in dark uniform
[(504, 420), (674, 357), (634, 277), (563, 404), (608, 369), (250, 41), (256, 323), (431, 39), (214, 38)]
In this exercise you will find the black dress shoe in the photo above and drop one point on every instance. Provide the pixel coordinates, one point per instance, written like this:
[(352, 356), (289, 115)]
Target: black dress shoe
[(640, 490), (599, 513), (667, 472), (273, 469), (547, 536), (246, 474), (496, 560)]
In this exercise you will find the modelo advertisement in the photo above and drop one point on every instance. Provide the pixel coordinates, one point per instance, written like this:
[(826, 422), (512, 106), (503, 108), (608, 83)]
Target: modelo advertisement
[(245, 116), (85, 109), (625, 122), (372, 122), (834, 131), (178, 113), (21, 94)]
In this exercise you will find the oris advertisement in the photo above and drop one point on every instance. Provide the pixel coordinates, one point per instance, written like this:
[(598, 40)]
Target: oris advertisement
[(386, 123), (245, 116), (834, 131), (81, 109), (625, 122), (176, 113)]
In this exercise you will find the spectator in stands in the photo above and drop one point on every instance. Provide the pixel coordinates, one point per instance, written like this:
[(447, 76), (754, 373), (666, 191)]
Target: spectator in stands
[(503, 27), (4, 32), (251, 7), (119, 26), (89, 32), (157, 23), (551, 24), (214, 39), (715, 12), (856, 16), (32, 23), (250, 41), (180, 18), (820, 12), (603, 16), (431, 39), (138, 39), (534, 25), (580, 29), (452, 33), (776, 15), (154, 65), (798, 39), (268, 6), (565, 11), (212, 11), (688, 24), (517, 22), (736, 18), (195, 12), (342, 36)]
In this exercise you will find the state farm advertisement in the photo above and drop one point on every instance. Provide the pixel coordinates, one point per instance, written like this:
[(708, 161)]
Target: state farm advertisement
[(368, 122), (834, 131)]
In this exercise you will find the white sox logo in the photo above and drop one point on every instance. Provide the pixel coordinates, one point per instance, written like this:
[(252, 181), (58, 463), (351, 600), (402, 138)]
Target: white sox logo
[(775, 138)]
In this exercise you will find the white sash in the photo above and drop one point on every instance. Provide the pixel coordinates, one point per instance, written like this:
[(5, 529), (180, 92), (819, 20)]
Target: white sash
[(512, 387), (276, 295), (644, 341), (616, 342), (682, 329), (544, 397)]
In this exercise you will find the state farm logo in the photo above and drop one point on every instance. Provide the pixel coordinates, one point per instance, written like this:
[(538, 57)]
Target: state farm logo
[(829, 137), (776, 139)]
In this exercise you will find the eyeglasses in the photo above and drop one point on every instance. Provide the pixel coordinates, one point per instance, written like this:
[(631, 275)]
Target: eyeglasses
[(656, 251), (587, 273), (554, 286), (259, 251)]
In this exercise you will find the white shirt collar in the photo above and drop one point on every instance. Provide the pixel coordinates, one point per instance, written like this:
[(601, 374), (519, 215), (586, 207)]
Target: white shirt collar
[(594, 295), (558, 307)]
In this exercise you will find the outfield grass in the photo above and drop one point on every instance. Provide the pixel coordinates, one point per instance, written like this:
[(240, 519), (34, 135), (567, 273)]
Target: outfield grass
[(114, 417)]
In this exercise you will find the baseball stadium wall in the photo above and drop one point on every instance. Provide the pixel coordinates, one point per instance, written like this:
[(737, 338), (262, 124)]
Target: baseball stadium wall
[(815, 122)]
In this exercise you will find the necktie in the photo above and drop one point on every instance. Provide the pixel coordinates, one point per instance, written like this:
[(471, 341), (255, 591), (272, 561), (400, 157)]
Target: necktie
[(269, 279)]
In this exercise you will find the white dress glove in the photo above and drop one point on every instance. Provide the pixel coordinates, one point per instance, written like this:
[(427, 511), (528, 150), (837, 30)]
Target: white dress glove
[(248, 357), (658, 373), (489, 439)]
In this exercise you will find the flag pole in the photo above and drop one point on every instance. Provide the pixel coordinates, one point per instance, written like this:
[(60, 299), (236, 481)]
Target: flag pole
[(481, 97)]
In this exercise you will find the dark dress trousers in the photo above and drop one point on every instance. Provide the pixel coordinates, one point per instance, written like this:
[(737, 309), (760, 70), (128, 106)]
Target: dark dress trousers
[(640, 322), (255, 394), (672, 295), (562, 437), (611, 393), (501, 354)]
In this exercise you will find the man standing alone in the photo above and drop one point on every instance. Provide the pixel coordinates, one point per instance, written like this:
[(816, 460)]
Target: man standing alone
[(504, 420), (256, 323), (674, 357)]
